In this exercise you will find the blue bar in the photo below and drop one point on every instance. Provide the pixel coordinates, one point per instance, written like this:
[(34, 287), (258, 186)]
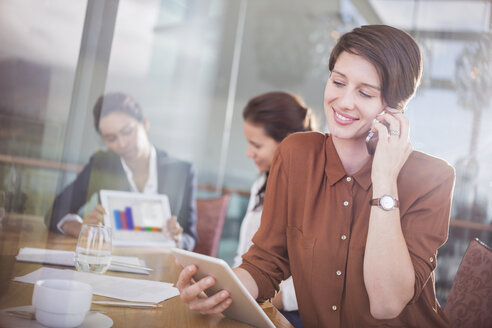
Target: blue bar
[(129, 217), (117, 220)]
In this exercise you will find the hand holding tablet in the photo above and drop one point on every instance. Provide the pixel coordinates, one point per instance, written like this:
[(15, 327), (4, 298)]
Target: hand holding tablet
[(192, 292), (208, 285)]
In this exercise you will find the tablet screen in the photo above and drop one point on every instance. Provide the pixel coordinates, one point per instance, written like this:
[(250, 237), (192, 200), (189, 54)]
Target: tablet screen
[(136, 219), (136, 213)]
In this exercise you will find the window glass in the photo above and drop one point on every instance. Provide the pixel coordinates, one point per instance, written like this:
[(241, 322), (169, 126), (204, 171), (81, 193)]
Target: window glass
[(192, 65), (37, 70)]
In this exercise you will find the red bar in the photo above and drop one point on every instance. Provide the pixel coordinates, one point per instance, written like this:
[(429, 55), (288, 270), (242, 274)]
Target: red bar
[(129, 217), (124, 223)]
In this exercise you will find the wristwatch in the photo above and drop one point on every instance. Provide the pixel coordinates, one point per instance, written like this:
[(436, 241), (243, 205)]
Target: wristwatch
[(386, 202)]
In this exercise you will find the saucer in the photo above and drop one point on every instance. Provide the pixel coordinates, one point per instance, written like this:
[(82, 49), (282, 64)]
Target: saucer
[(91, 319)]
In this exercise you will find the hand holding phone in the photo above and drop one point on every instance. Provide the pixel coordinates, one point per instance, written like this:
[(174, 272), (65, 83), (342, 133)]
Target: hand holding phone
[(391, 151), (373, 136)]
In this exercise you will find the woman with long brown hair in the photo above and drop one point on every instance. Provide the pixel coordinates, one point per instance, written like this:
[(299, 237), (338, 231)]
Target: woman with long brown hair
[(268, 119)]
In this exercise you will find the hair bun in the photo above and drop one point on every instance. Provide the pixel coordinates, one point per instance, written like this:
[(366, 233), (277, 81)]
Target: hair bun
[(308, 119)]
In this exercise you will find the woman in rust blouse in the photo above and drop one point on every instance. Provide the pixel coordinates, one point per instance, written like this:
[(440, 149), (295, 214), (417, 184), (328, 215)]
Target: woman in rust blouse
[(359, 233)]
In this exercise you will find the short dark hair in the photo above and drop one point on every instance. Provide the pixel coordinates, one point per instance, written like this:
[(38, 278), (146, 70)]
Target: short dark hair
[(395, 55), (116, 102), (279, 113)]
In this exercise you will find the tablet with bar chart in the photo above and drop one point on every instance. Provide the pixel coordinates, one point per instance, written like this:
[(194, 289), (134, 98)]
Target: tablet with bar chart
[(137, 219)]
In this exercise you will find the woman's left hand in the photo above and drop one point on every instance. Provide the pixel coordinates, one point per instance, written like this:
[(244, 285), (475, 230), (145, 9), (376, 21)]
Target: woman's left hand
[(173, 228), (393, 147)]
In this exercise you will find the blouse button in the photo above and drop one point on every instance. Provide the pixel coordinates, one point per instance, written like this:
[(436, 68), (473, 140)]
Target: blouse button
[(431, 259), (349, 179), (343, 237), (345, 203), (339, 273), (334, 307)]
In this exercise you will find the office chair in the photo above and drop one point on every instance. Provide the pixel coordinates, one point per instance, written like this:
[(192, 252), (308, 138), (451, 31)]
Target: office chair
[(211, 214), (469, 303)]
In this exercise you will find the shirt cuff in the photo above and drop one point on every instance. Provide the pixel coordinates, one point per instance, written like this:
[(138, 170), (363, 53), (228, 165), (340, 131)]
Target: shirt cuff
[(266, 289), (68, 218), (289, 299)]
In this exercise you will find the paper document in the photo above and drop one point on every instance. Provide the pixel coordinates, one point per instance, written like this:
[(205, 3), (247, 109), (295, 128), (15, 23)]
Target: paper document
[(133, 290), (67, 258)]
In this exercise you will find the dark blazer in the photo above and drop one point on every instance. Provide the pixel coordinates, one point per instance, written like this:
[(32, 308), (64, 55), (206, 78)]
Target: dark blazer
[(175, 178)]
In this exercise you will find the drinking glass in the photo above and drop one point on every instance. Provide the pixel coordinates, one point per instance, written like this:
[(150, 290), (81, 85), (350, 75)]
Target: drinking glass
[(93, 252)]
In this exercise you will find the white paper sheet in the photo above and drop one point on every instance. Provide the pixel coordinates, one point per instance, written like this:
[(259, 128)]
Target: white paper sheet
[(91, 320), (67, 258), (134, 290)]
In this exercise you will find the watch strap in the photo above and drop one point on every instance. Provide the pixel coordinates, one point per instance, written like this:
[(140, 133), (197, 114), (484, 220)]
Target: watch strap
[(375, 201)]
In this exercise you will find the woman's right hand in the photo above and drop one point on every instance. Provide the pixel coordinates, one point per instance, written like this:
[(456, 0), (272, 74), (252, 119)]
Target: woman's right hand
[(192, 292), (96, 216)]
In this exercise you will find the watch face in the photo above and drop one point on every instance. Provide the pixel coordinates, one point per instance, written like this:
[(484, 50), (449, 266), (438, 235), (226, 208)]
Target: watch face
[(387, 202)]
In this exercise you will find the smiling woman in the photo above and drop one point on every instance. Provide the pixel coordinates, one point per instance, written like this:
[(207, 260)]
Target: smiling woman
[(268, 119), (358, 233), (352, 98)]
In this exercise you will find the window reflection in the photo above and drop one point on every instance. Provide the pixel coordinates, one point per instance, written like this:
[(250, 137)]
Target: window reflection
[(37, 70), (176, 58)]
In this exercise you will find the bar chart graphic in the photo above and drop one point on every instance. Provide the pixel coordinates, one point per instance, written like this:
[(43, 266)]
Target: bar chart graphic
[(137, 219), (138, 214), (124, 220)]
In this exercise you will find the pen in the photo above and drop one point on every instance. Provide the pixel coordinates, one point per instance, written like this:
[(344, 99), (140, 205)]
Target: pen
[(116, 263), (127, 304)]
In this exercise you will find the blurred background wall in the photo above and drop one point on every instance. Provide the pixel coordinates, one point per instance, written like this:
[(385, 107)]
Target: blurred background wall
[(193, 64)]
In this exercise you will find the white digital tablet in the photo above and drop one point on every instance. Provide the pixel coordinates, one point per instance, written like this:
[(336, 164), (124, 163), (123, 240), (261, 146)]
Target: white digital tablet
[(137, 219), (243, 307)]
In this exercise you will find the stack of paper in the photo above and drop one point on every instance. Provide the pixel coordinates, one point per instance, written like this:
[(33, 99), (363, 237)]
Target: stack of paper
[(132, 290), (67, 258)]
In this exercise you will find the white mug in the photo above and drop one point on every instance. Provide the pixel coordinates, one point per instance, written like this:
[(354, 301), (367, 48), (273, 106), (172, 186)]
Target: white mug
[(61, 303)]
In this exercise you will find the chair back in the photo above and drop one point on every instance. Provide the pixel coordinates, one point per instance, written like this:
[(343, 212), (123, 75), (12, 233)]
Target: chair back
[(469, 303), (211, 214)]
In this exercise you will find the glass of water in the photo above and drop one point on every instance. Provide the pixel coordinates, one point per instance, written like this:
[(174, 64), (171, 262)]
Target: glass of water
[(93, 252)]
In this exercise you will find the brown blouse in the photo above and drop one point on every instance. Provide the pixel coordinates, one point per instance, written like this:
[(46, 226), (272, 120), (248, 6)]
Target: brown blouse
[(314, 227)]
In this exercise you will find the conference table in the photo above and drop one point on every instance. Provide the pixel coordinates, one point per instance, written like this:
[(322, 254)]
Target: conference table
[(17, 231)]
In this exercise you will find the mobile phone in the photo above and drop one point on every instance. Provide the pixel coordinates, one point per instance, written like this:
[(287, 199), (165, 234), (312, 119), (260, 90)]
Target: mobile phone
[(372, 139)]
